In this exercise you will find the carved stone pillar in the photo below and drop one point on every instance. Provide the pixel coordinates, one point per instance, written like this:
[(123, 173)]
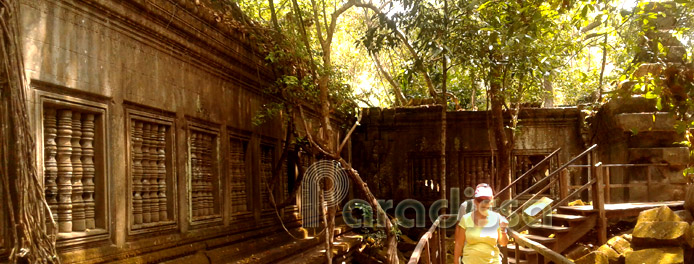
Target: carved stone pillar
[(87, 143), (146, 166), (78, 216), (161, 172), (51, 166), (195, 175), (64, 171), (153, 186), (137, 171)]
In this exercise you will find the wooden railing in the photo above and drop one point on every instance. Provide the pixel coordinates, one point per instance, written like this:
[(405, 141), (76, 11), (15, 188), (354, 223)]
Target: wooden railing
[(547, 253), (609, 186), (431, 248)]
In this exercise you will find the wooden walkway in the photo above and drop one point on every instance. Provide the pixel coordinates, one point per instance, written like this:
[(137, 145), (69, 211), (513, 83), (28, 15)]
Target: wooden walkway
[(619, 210)]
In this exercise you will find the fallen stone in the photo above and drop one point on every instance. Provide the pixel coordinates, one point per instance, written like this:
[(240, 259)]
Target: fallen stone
[(611, 254), (578, 202), (658, 234), (595, 257), (685, 215), (659, 214), (619, 244), (577, 251), (671, 255), (689, 199)]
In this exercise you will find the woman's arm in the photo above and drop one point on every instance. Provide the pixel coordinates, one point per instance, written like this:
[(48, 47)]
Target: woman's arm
[(459, 243), (503, 236)]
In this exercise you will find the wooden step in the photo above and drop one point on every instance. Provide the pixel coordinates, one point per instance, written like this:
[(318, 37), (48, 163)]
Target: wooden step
[(546, 230), (521, 249), (567, 218), (576, 210), (541, 239), (514, 261)]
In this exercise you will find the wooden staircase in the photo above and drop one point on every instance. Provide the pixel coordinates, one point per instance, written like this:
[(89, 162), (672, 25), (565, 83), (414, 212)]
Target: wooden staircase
[(558, 235), (544, 237)]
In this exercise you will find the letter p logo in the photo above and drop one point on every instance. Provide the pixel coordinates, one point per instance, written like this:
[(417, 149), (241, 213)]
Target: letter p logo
[(334, 176)]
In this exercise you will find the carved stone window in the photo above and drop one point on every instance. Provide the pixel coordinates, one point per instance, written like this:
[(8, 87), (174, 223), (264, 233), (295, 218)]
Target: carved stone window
[(267, 160), (151, 183), (74, 167), (205, 202), (239, 175)]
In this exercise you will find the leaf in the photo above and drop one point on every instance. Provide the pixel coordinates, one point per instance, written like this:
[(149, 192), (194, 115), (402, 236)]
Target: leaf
[(658, 105), (484, 6)]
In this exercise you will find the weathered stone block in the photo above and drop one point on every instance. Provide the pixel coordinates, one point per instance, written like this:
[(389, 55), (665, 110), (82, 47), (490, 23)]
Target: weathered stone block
[(659, 214), (658, 234), (645, 122), (620, 244), (611, 254), (672, 255), (689, 199), (685, 215), (595, 257), (670, 155)]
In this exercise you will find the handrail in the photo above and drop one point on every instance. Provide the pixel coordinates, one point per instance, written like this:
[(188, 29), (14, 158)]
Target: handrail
[(424, 241), (534, 195), (539, 248), (577, 191), (558, 170), (508, 187)]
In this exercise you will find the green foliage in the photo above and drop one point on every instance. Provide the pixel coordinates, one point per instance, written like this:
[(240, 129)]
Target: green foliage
[(530, 40), (295, 64)]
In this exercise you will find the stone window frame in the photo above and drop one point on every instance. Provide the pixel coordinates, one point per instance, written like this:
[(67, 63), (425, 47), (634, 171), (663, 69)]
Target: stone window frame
[(554, 162), (272, 143), (160, 117), (102, 179), (246, 138), (205, 127)]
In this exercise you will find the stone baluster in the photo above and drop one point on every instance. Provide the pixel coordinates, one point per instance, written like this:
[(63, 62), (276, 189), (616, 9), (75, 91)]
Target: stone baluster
[(146, 200), (194, 173), (137, 171), (153, 186), (201, 174), (161, 172), (88, 169), (208, 176), (50, 131), (78, 217), (64, 171)]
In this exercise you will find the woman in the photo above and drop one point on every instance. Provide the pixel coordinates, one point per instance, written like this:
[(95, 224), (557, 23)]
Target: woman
[(479, 231)]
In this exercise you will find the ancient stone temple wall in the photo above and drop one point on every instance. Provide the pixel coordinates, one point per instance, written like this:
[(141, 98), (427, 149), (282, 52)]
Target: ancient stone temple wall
[(145, 143), (399, 149)]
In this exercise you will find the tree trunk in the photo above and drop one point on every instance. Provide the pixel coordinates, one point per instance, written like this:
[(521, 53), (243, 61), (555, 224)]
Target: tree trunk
[(549, 92), (503, 172), (33, 233)]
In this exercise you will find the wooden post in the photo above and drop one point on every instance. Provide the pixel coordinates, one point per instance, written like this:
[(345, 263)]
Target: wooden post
[(599, 202), (563, 184), (608, 189), (648, 183)]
